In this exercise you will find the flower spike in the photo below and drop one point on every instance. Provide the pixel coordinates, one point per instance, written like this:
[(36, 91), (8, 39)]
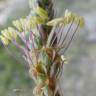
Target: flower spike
[(43, 42)]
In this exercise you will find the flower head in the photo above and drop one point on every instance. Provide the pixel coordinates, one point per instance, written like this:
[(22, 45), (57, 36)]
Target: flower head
[(8, 35), (67, 19), (4, 40)]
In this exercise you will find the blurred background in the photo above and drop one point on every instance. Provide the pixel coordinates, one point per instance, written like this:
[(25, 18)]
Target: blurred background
[(79, 76)]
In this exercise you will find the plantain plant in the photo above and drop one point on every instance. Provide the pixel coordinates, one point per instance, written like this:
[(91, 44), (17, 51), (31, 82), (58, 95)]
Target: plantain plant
[(41, 40)]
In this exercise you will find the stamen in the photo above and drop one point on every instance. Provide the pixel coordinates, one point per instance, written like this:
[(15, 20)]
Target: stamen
[(61, 31), (55, 36), (71, 38), (62, 43)]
